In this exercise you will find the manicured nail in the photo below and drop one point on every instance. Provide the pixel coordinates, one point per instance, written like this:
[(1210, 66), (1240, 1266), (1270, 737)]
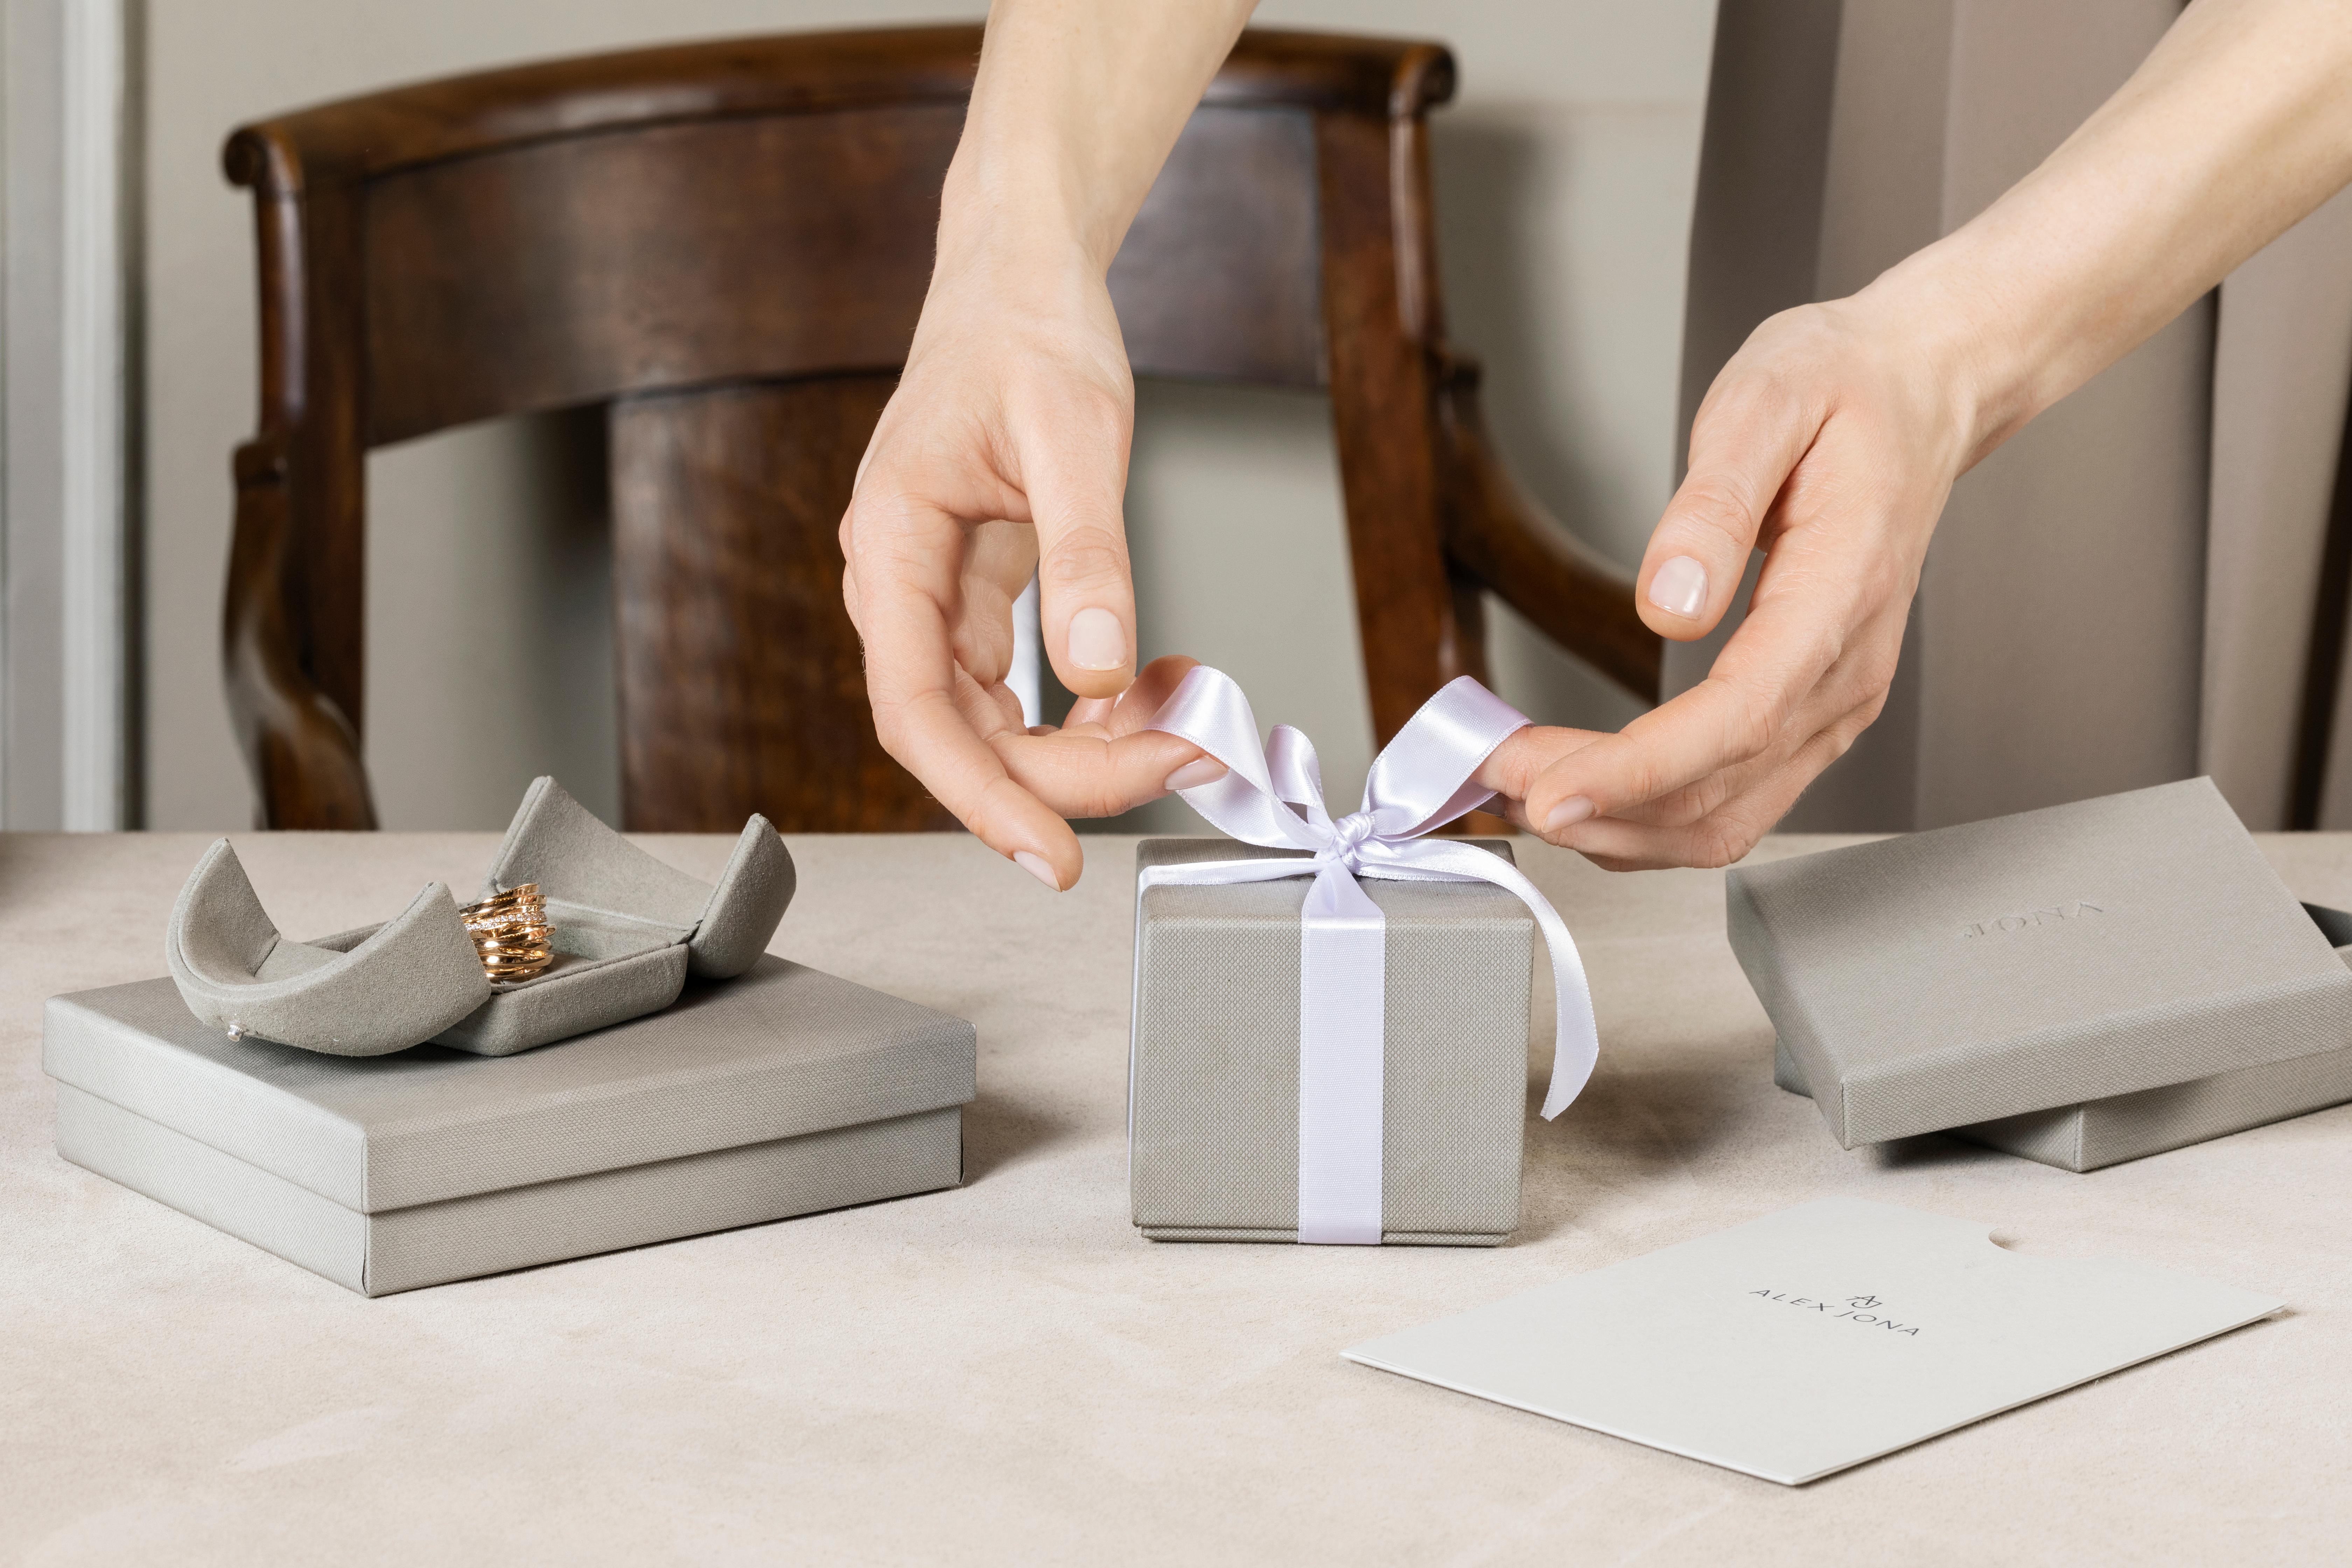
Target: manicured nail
[(1097, 640), (1199, 771), (1568, 814), (1035, 866), (1678, 587)]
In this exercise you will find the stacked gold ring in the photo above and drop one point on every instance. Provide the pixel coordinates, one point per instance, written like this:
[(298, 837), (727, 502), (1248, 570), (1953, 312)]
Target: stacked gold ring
[(511, 933)]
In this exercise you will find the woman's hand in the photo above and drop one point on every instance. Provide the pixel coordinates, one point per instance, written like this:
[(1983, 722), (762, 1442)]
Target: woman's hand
[(1003, 453), (1004, 450), (1829, 440), (1833, 435)]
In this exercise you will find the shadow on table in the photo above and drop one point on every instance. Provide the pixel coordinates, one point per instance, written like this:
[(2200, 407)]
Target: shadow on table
[(1627, 1129), (1929, 1152), (999, 1132)]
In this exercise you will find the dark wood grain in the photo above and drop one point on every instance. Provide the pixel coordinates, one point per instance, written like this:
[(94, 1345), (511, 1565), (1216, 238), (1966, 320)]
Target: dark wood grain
[(304, 752), (677, 256), (792, 73), (1383, 410), (687, 254), (726, 508), (1498, 534), (1221, 276), (728, 244)]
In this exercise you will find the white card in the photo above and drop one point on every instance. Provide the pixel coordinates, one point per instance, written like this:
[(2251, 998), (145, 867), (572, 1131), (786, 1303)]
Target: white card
[(1813, 1339)]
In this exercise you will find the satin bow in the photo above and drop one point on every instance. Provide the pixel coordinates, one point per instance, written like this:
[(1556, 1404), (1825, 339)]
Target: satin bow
[(1273, 796)]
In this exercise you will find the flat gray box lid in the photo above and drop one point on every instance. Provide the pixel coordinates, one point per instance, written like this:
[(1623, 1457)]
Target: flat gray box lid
[(783, 1050), (2085, 950)]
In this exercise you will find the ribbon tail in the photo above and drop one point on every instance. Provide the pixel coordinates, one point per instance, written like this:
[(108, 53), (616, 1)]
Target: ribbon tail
[(1576, 1036)]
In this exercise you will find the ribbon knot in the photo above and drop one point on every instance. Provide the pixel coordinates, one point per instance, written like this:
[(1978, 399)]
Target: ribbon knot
[(1348, 837), (1272, 795)]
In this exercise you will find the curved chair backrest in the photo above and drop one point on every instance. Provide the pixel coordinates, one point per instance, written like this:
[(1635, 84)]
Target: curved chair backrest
[(728, 244)]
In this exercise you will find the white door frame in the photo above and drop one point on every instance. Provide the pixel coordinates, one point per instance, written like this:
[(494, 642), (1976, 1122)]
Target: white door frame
[(69, 644)]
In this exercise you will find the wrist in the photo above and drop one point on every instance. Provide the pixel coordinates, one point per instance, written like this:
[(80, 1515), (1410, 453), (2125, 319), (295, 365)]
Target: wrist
[(1011, 224), (1010, 270), (1983, 351), (1007, 173)]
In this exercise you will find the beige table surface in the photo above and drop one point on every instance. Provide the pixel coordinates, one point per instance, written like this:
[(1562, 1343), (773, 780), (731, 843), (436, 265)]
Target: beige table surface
[(1005, 1374)]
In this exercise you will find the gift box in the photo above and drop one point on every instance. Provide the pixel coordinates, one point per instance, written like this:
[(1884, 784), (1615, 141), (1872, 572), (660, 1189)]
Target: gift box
[(777, 1093), (1214, 1071), (2080, 985)]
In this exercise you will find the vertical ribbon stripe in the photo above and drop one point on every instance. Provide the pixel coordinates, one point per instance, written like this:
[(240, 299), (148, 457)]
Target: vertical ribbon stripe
[(1342, 968)]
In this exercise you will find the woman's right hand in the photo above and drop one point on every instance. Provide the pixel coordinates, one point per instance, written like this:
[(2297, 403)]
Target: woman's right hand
[(1003, 452)]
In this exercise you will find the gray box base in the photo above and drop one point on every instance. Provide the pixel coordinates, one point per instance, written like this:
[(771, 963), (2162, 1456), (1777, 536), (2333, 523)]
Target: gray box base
[(2130, 1126), (2021, 965), (1212, 1068), (1388, 1237), (518, 1228)]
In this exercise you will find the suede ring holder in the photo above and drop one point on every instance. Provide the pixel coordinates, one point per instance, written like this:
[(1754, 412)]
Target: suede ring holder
[(627, 932)]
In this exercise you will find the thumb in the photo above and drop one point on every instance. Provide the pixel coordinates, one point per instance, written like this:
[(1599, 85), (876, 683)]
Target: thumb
[(1742, 449), (1086, 592)]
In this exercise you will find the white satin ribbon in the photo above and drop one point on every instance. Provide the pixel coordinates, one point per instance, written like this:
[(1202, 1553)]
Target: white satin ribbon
[(1272, 795)]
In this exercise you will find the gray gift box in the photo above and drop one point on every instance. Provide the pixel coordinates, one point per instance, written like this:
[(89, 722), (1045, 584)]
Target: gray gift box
[(779, 1093), (2080, 985), (1212, 1106)]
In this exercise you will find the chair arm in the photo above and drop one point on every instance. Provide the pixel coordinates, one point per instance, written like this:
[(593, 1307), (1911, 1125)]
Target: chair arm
[(299, 745), (1505, 538)]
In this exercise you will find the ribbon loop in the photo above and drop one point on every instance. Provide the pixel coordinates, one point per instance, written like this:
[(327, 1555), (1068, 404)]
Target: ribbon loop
[(1272, 795)]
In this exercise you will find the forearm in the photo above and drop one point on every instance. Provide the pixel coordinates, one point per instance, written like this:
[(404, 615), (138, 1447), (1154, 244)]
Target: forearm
[(2235, 127), (1076, 106)]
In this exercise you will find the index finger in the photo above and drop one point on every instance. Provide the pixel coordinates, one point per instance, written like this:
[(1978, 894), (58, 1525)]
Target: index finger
[(1512, 768), (904, 553)]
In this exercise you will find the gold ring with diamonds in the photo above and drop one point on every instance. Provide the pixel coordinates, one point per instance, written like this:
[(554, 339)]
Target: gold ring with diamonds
[(511, 933)]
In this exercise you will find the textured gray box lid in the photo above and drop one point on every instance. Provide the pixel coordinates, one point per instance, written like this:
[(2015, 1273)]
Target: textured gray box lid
[(781, 1051), (2097, 948)]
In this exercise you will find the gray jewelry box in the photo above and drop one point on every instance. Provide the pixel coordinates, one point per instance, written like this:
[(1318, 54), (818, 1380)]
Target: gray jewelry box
[(1212, 1082), (2155, 1120), (2081, 984), (626, 931), (779, 1093)]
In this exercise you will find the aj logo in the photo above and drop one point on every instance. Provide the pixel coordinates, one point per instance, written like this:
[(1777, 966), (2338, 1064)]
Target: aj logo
[(2003, 924), (1862, 1303)]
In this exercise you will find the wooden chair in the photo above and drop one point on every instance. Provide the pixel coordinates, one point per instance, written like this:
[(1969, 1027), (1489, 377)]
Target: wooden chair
[(727, 245)]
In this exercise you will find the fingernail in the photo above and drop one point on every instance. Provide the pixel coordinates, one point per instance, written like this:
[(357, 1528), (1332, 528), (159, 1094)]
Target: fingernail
[(1678, 587), (1035, 866), (1200, 771), (1568, 814), (1097, 640)]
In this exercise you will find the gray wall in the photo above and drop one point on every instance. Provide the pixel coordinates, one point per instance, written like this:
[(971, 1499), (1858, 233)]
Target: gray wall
[(2053, 652), (1565, 171)]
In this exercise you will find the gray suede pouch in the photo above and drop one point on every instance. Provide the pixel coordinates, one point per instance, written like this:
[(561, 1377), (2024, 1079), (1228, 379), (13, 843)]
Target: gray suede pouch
[(781, 1092), (626, 931), (364, 993), (2081, 984), (1212, 1120), (626, 928)]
